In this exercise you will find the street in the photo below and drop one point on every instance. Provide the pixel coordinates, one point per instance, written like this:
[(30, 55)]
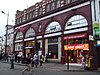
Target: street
[(47, 69)]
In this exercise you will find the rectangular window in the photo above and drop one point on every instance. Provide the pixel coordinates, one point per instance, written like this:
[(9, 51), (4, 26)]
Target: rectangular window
[(17, 21), (8, 36), (33, 13), (21, 19), (52, 40), (52, 5), (67, 1), (58, 3), (48, 7), (40, 11), (27, 16)]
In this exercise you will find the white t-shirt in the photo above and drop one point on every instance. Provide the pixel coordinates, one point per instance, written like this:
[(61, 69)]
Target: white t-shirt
[(35, 57)]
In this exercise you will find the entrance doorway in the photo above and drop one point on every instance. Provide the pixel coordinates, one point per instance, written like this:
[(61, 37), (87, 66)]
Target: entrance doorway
[(72, 56)]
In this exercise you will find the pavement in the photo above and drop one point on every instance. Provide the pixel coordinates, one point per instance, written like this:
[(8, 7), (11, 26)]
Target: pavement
[(60, 67)]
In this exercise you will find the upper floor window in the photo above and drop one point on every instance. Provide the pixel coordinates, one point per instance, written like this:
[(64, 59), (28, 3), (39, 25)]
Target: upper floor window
[(67, 1), (21, 19), (8, 37), (17, 21), (40, 10), (58, 3), (27, 16), (48, 7), (52, 5), (33, 13)]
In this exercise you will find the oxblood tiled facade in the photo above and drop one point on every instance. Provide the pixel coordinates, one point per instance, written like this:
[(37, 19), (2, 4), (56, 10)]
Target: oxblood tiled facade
[(52, 30)]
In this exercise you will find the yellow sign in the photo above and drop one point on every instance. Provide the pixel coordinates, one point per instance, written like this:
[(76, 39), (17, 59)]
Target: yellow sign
[(76, 47)]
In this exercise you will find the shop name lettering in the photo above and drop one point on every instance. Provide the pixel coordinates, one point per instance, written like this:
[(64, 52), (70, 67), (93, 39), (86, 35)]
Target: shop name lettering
[(79, 36), (72, 47)]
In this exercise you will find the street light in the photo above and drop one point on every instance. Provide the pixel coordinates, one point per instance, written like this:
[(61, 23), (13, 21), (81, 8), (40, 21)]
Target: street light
[(6, 29)]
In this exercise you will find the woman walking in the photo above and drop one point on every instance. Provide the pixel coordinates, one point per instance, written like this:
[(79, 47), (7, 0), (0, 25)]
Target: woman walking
[(83, 63), (28, 64), (41, 60)]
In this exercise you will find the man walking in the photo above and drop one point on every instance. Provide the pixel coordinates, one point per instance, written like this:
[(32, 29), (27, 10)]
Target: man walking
[(12, 60), (35, 60)]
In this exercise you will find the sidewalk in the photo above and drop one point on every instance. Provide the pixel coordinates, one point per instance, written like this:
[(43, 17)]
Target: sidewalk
[(60, 67)]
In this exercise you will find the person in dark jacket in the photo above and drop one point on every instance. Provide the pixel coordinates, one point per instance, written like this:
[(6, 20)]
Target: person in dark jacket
[(41, 60), (28, 63), (12, 60)]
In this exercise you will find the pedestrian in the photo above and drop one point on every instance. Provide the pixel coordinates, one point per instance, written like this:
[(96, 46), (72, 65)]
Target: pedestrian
[(35, 60), (28, 64), (41, 60), (16, 57), (46, 58), (83, 63), (12, 60), (19, 57)]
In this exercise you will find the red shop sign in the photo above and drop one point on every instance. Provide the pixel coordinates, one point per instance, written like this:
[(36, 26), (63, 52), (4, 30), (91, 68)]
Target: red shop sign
[(83, 35)]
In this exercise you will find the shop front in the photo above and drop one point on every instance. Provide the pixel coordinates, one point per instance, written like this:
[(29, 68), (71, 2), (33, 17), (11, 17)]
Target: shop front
[(53, 49), (30, 47), (76, 46)]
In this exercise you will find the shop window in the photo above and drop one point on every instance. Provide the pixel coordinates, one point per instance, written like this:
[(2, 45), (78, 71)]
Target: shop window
[(30, 44), (76, 41), (85, 41), (53, 51), (71, 41)]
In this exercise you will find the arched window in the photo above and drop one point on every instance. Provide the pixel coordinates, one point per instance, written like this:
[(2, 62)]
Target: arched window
[(19, 36), (76, 21), (30, 33), (53, 27)]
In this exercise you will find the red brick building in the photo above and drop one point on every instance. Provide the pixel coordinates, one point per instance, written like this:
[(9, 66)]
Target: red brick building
[(61, 27)]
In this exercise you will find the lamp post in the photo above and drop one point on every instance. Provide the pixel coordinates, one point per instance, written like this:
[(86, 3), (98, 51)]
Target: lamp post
[(6, 29)]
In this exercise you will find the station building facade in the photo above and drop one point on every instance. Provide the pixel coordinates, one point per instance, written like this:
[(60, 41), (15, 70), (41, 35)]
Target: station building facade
[(61, 27)]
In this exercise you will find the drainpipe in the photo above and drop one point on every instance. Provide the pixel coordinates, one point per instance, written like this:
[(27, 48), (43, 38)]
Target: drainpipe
[(94, 58)]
